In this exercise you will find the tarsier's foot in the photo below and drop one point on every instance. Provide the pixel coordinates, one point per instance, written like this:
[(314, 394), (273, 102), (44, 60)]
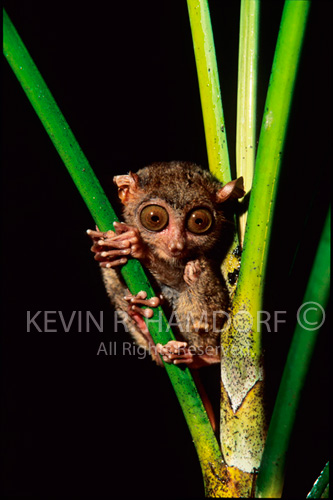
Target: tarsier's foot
[(192, 271), (141, 299), (112, 248), (137, 314), (175, 352)]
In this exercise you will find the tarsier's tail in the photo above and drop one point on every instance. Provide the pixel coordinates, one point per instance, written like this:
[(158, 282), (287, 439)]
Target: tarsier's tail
[(206, 401)]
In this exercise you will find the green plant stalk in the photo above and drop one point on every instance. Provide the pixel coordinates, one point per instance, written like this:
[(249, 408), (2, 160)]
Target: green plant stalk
[(209, 86), (271, 475), (247, 98), (90, 189), (270, 149), (241, 345), (212, 110), (319, 487)]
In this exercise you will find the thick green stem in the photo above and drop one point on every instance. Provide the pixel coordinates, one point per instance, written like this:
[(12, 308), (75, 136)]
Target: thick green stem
[(270, 148), (241, 345), (210, 93), (310, 317), (247, 98), (104, 216)]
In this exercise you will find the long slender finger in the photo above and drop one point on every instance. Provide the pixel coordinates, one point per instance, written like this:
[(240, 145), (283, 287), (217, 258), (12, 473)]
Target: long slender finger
[(187, 361), (172, 347), (127, 235), (175, 355), (105, 256), (113, 263), (96, 248), (185, 355), (111, 253), (141, 295), (146, 313), (153, 302), (166, 359), (100, 234), (105, 238), (94, 234), (121, 227), (111, 243)]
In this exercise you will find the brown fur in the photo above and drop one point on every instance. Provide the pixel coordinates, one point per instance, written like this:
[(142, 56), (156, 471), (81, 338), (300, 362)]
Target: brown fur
[(190, 278)]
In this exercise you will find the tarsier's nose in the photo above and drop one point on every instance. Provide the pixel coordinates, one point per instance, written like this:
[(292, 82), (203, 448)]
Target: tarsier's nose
[(176, 246)]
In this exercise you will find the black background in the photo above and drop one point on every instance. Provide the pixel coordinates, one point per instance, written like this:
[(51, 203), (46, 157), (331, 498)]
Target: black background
[(124, 76)]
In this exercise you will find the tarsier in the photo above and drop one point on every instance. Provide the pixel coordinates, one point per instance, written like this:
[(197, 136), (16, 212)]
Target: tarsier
[(179, 224)]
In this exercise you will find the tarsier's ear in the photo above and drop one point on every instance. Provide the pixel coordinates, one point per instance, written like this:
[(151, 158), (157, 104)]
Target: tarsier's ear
[(234, 189), (128, 186)]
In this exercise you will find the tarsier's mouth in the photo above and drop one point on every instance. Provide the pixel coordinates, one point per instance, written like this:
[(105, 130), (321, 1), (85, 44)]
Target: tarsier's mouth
[(174, 254)]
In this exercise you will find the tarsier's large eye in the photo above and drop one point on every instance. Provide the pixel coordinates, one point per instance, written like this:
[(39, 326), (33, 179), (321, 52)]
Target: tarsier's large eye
[(199, 220), (154, 217)]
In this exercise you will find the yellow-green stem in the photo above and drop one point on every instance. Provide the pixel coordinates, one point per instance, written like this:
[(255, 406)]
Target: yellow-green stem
[(241, 345), (210, 93), (247, 99)]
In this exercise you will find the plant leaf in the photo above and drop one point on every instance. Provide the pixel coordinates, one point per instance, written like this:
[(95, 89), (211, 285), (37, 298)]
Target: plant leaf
[(90, 189), (271, 475)]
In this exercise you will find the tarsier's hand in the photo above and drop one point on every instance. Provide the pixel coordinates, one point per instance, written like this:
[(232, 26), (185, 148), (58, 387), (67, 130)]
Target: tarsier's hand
[(112, 248), (192, 271)]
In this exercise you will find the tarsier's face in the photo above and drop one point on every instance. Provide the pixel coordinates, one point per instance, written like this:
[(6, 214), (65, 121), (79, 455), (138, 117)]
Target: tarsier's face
[(178, 208), (176, 233)]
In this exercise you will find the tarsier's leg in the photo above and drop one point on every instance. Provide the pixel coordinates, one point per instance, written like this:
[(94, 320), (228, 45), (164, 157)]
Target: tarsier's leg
[(180, 352), (176, 352), (205, 399)]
